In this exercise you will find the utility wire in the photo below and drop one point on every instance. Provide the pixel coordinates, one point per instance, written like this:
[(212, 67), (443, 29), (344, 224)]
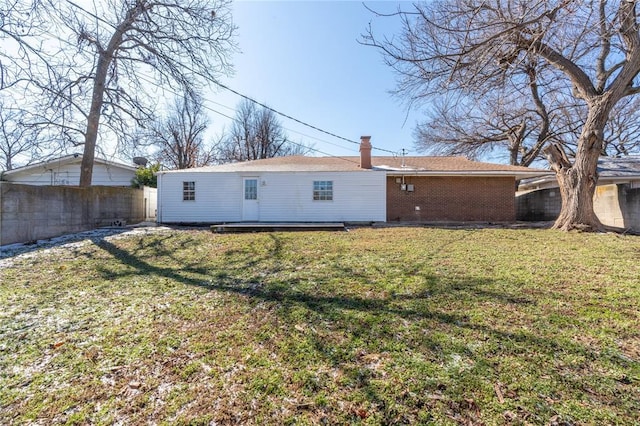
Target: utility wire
[(290, 117), (240, 122), (217, 83), (290, 141), (285, 128)]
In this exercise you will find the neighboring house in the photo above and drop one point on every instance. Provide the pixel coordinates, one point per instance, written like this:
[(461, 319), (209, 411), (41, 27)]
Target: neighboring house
[(616, 199), (44, 200), (66, 171), (341, 189)]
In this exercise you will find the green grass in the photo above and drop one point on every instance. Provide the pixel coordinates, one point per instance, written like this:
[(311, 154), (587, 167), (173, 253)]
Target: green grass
[(373, 326)]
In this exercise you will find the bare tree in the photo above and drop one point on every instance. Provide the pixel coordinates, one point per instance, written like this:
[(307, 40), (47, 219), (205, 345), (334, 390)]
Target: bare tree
[(22, 139), (180, 135), (113, 58), (256, 134), (622, 129), (518, 115), (23, 29), (15, 138), (508, 121), (465, 44)]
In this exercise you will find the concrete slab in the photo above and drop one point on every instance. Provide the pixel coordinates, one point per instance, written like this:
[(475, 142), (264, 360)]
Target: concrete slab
[(277, 227)]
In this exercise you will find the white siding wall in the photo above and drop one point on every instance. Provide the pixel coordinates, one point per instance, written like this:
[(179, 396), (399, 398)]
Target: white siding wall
[(218, 198), (69, 174), (110, 175), (357, 197), (283, 197), (33, 177)]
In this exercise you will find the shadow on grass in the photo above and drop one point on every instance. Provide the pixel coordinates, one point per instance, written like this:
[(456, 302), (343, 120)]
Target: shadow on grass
[(372, 319), (284, 293), (13, 250)]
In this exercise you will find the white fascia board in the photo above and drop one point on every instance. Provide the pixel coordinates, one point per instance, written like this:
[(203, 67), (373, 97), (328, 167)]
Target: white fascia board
[(41, 165), (497, 173), (67, 159)]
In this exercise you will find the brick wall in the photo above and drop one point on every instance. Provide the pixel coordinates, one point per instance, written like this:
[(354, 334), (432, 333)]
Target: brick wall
[(479, 199)]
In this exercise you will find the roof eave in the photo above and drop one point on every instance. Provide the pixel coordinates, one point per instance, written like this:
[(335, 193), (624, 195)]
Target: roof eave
[(41, 165), (476, 173), (67, 159), (551, 180)]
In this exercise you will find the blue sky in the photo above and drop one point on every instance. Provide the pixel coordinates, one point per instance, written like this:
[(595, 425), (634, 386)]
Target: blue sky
[(303, 59)]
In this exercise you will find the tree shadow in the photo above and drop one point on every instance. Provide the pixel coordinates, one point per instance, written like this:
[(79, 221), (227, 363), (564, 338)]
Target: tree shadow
[(331, 305), (14, 250), (371, 319)]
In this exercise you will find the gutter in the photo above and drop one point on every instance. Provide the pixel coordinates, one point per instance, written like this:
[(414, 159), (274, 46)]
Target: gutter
[(475, 173)]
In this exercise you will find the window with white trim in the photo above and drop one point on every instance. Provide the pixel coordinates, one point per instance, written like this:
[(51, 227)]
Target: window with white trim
[(322, 190), (188, 191)]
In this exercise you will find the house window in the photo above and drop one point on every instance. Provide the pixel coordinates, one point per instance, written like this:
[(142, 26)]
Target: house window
[(251, 189), (188, 191), (323, 190)]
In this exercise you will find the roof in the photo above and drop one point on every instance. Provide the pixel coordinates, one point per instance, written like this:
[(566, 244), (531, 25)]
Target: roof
[(622, 167), (67, 159), (610, 170), (423, 165)]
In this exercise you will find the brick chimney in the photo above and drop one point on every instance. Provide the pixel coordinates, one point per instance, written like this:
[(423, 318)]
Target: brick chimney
[(365, 152)]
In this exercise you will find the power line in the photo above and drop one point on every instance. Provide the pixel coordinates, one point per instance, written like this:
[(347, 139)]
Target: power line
[(290, 117), (290, 141), (283, 114), (155, 84), (217, 83), (240, 122), (285, 128)]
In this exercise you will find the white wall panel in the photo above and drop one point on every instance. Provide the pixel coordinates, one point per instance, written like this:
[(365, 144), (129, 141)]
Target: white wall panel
[(218, 198), (283, 197), (69, 174), (357, 196)]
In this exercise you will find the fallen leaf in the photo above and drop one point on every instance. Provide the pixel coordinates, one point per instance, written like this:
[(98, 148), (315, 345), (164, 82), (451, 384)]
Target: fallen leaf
[(363, 414), (435, 396), (509, 416), (496, 387)]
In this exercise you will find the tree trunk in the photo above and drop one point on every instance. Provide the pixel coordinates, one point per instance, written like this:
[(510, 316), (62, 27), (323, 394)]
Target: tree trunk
[(578, 181), (577, 186), (105, 58), (93, 119)]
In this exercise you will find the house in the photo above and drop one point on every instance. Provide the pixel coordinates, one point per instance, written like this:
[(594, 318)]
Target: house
[(344, 189), (66, 171), (44, 200), (616, 200)]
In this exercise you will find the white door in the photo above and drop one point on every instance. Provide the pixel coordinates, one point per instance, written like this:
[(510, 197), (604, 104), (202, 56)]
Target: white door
[(250, 203)]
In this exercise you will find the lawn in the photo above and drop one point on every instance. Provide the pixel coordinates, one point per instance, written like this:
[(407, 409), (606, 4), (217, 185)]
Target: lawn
[(371, 326)]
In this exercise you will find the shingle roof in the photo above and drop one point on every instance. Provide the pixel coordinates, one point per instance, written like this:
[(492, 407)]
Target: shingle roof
[(611, 167), (296, 163), (449, 164), (420, 165)]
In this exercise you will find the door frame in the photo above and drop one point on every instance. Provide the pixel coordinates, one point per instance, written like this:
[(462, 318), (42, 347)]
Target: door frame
[(250, 207)]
